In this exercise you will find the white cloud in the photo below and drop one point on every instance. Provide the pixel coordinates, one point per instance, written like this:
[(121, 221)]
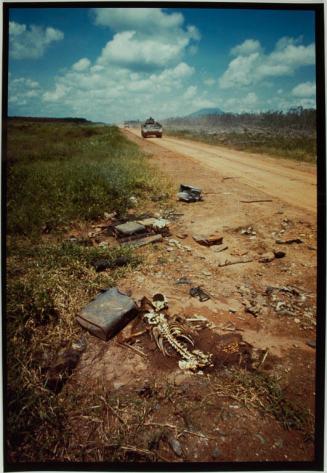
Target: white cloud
[(191, 92), (210, 81), (31, 42), (249, 46), (127, 50), (144, 20), (145, 37), (82, 64), (306, 89), (117, 93), (240, 71), (16, 29), (22, 89), (58, 94), (250, 68)]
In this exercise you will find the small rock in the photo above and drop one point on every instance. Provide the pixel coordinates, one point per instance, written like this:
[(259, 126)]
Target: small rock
[(182, 236), (311, 343), (109, 216), (175, 445), (216, 453), (279, 254), (183, 280), (233, 311), (101, 264), (133, 201), (289, 241), (208, 240), (267, 257), (297, 321)]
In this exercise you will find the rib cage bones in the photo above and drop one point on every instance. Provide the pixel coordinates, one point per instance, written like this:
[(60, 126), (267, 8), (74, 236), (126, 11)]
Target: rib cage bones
[(163, 331)]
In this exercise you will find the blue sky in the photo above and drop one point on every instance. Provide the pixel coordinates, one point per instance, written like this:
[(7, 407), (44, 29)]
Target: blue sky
[(114, 64)]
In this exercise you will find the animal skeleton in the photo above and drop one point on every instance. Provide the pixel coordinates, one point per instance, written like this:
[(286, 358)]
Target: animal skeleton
[(162, 332)]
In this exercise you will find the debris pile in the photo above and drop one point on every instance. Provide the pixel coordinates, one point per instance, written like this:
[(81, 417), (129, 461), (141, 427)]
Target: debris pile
[(290, 301), (250, 300), (141, 232)]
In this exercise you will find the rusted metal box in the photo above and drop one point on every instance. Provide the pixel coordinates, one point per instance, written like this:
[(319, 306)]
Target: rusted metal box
[(108, 313)]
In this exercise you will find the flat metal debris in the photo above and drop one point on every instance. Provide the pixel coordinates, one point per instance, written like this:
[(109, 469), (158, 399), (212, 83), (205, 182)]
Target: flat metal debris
[(129, 228)]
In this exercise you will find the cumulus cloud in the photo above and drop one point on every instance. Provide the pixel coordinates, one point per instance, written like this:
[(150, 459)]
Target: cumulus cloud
[(57, 94), (306, 89), (22, 89), (30, 42), (145, 37), (127, 50), (145, 20), (249, 68), (249, 46), (191, 92), (116, 93), (82, 64)]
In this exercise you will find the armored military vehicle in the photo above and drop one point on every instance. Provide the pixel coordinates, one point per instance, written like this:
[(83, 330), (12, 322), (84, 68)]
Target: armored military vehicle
[(151, 128)]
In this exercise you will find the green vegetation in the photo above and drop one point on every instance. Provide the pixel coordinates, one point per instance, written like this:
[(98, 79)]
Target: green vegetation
[(61, 172), (60, 176), (289, 135)]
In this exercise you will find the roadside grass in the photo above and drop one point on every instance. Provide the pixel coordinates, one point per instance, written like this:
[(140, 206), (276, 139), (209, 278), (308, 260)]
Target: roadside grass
[(119, 426), (279, 144), (265, 393), (48, 284), (58, 174)]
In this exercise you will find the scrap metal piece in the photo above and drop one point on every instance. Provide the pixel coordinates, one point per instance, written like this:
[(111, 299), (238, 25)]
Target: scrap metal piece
[(200, 293), (189, 193), (108, 313), (129, 228)]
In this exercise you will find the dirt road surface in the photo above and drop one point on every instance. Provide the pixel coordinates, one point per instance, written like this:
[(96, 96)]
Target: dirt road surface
[(261, 314), (294, 183)]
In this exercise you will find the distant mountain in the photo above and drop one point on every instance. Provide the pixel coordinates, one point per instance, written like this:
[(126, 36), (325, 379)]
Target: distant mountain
[(206, 111)]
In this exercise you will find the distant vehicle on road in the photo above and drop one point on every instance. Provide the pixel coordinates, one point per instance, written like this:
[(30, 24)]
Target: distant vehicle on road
[(151, 128)]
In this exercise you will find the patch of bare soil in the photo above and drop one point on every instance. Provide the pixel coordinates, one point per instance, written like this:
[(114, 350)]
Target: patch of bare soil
[(256, 403)]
